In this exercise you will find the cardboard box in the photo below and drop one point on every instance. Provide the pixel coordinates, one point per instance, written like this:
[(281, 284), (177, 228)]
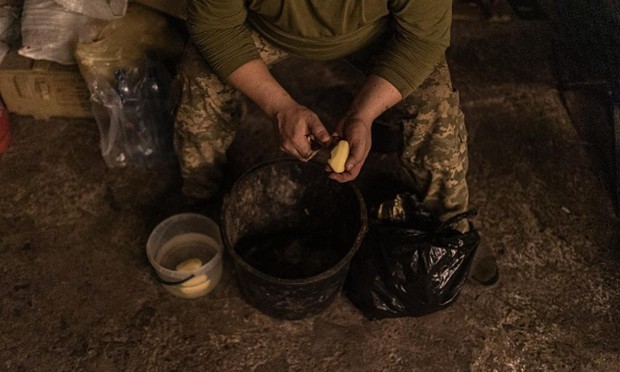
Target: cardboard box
[(175, 8), (43, 89)]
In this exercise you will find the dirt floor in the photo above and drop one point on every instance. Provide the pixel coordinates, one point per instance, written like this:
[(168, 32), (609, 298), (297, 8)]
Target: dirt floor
[(76, 292)]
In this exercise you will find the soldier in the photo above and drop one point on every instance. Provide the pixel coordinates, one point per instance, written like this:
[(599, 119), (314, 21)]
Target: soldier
[(401, 46)]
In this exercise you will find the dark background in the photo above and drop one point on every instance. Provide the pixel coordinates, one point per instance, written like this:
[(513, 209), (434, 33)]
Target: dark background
[(75, 288)]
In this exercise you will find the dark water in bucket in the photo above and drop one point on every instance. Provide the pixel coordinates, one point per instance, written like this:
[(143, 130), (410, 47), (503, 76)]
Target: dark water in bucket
[(292, 253), (291, 232)]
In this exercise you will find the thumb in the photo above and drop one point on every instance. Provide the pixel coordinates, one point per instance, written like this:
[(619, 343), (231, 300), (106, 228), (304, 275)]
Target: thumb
[(355, 157), (358, 150)]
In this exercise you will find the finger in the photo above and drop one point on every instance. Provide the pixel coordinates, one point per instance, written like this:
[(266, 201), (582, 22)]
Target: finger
[(304, 155), (297, 145), (317, 129), (357, 155), (293, 151), (347, 175), (301, 151), (302, 145)]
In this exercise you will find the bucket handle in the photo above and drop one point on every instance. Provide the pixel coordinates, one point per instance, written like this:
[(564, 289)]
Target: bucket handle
[(166, 282)]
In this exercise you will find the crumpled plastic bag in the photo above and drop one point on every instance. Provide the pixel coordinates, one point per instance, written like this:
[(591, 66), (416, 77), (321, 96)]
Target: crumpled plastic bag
[(126, 66), (410, 264), (9, 28), (100, 9), (136, 120), (51, 29), (124, 43)]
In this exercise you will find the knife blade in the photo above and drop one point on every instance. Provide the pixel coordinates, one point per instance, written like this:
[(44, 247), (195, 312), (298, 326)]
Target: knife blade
[(321, 152)]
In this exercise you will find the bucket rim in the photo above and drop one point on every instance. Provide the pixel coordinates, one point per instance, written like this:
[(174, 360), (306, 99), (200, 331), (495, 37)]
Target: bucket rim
[(238, 260), (186, 275)]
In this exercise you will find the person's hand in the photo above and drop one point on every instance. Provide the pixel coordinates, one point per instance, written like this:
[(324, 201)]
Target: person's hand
[(357, 132), (295, 125)]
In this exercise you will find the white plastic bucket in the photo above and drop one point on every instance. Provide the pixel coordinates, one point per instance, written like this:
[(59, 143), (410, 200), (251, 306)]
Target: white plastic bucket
[(185, 251)]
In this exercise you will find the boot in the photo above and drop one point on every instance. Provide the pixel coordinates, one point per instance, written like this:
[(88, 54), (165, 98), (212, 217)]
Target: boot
[(484, 270)]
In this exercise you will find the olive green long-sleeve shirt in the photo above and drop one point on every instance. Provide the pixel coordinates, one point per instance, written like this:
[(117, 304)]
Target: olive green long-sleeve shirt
[(416, 32)]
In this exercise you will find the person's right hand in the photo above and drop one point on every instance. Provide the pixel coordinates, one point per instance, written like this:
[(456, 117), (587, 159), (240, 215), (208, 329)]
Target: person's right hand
[(294, 125)]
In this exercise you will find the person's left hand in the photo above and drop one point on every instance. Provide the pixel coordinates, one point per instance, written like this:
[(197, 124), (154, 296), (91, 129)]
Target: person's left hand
[(357, 132)]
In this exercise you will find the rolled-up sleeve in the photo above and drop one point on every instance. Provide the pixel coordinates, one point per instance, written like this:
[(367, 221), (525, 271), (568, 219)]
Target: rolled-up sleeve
[(218, 29), (420, 38)]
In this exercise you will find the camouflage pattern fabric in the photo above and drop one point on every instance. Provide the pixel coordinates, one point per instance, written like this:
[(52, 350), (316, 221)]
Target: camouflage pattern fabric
[(207, 119), (435, 138), (435, 145)]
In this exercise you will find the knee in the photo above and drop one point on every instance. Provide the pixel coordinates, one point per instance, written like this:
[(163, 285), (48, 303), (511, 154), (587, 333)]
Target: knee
[(436, 93)]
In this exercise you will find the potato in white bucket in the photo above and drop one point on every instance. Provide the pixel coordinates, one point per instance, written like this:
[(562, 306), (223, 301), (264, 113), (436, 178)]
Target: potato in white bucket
[(185, 252)]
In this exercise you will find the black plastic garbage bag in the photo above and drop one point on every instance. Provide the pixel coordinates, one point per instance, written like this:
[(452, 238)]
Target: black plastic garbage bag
[(410, 265)]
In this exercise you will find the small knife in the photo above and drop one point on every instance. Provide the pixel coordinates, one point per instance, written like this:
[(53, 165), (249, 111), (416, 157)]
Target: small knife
[(321, 152)]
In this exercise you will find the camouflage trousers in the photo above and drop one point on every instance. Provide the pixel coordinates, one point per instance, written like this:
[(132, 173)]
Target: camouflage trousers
[(434, 143)]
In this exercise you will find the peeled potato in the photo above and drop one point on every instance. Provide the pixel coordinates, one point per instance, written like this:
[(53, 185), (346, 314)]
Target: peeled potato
[(339, 155), (198, 288), (191, 265)]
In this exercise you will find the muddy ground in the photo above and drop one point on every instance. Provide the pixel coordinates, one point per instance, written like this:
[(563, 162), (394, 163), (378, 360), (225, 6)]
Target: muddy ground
[(76, 293)]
